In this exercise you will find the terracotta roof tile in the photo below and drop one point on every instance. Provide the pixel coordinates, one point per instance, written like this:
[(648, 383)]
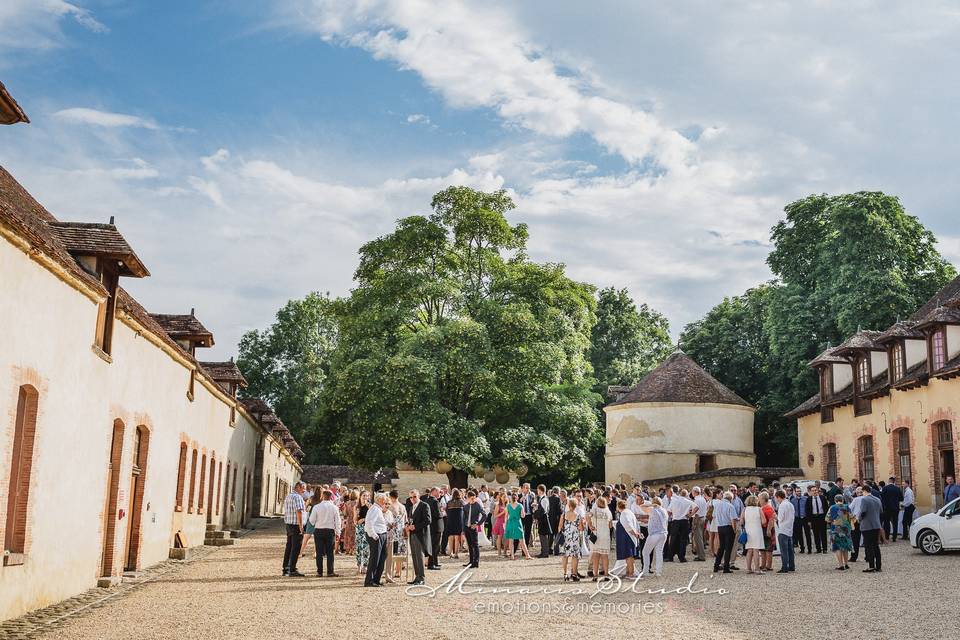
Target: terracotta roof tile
[(900, 330), (939, 315), (10, 111), (860, 341), (184, 327), (225, 372), (679, 379), (102, 240), (949, 293), (827, 357)]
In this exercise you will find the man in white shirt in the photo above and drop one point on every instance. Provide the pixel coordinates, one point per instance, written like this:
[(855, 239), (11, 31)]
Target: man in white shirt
[(375, 527), (785, 518), (909, 507), (325, 518), (698, 523), (679, 511)]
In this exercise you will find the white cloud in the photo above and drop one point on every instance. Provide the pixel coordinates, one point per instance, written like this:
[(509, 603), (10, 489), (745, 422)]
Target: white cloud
[(207, 188), (478, 56), (138, 169), (418, 118), (35, 24), (83, 115)]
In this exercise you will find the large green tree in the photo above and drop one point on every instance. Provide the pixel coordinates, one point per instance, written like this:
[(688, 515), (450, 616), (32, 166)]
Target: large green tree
[(626, 341), (288, 363), (455, 346), (843, 263)]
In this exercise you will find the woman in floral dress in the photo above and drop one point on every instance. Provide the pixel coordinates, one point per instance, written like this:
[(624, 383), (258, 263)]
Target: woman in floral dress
[(349, 534), (841, 524), (363, 547), (572, 548)]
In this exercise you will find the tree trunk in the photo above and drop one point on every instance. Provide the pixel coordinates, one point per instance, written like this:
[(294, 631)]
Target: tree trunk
[(457, 479)]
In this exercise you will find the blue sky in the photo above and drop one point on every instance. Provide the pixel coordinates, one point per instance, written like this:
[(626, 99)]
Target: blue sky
[(248, 152)]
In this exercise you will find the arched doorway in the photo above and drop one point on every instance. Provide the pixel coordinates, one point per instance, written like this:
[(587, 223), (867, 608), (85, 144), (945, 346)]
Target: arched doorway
[(138, 478), (113, 491), (944, 460)]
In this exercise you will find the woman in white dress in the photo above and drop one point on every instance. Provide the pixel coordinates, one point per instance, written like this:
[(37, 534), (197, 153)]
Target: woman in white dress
[(753, 523), (601, 521), (713, 531)]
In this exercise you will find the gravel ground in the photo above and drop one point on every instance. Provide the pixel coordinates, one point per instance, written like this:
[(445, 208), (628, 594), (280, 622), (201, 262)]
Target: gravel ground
[(236, 592)]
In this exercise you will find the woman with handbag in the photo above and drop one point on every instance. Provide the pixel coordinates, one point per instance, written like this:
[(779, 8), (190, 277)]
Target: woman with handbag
[(753, 522), (600, 522)]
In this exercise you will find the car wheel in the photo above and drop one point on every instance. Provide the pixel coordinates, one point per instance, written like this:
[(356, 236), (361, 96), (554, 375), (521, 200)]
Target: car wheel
[(929, 542)]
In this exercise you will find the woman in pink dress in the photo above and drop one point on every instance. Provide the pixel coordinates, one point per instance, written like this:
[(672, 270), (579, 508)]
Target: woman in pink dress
[(499, 522), (349, 531)]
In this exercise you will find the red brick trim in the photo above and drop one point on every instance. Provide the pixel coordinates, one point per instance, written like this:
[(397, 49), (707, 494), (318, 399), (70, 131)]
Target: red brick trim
[(15, 530), (113, 491)]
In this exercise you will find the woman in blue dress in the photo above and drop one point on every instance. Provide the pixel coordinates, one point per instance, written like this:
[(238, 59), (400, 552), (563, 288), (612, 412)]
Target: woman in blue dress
[(841, 524)]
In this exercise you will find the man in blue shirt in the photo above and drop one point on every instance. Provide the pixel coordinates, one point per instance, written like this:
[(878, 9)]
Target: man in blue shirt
[(725, 515), (951, 491)]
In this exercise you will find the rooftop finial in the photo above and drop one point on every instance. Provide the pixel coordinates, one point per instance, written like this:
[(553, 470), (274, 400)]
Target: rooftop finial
[(111, 219), (193, 311)]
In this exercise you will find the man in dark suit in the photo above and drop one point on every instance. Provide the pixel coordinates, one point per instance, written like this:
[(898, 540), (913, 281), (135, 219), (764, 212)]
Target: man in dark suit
[(526, 501), (432, 500), (540, 511), (556, 512), (817, 516), (891, 497), (418, 515), (473, 518)]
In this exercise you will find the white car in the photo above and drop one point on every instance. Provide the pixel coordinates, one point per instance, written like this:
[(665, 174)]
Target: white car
[(937, 531)]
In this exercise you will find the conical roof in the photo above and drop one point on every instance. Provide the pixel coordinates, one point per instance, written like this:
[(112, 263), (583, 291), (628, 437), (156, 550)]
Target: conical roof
[(681, 380)]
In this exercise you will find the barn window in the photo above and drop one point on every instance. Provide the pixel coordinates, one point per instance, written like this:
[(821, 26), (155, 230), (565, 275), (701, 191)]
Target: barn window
[(830, 460), (904, 469), (938, 348), (193, 481), (181, 476), (865, 448), (108, 273), (898, 360), (21, 464)]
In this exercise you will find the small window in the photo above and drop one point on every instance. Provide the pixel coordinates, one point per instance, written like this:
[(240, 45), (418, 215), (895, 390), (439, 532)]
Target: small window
[(863, 373), (830, 460), (898, 360), (865, 448), (938, 348), (904, 469), (233, 415), (109, 275), (193, 377), (181, 476), (826, 381), (826, 414), (21, 465)]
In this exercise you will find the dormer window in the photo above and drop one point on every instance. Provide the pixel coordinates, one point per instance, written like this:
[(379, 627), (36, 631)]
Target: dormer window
[(861, 405), (826, 382), (103, 252), (898, 362), (185, 330), (938, 348), (109, 276), (863, 373)]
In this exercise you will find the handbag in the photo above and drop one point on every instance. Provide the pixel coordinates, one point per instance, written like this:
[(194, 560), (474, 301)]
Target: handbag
[(308, 529), (742, 538)]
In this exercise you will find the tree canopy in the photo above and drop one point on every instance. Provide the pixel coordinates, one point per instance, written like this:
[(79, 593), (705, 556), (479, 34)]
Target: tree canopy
[(455, 346), (288, 363), (626, 342), (843, 263)]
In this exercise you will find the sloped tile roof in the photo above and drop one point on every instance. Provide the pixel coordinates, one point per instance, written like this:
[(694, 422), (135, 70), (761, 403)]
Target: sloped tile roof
[(860, 341), (811, 405), (939, 315), (681, 380), (184, 327), (900, 330), (947, 294), (827, 357), (225, 372), (10, 111), (102, 240)]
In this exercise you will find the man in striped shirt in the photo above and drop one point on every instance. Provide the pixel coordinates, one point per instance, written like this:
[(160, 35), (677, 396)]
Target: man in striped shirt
[(293, 507)]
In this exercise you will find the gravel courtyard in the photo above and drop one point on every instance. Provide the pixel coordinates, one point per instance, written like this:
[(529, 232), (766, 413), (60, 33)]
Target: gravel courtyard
[(236, 592)]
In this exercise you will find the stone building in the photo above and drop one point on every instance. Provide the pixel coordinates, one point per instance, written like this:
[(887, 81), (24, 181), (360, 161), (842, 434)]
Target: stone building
[(889, 403), (117, 444), (678, 420)]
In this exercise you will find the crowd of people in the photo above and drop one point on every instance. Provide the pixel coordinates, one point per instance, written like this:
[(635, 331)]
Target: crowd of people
[(384, 537)]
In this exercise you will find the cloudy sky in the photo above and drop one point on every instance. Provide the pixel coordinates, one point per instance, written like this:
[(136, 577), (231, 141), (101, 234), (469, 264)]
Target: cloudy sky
[(248, 153)]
